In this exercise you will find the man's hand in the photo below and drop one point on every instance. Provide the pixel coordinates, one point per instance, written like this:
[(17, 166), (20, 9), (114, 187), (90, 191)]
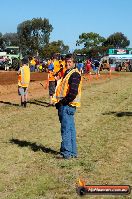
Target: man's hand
[(57, 105)]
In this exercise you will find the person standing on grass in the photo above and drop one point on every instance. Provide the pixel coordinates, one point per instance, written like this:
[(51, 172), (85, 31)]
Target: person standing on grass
[(88, 66), (51, 80), (67, 98), (23, 81), (80, 66)]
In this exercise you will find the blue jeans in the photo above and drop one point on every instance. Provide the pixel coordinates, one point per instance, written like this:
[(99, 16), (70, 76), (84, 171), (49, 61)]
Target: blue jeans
[(32, 68), (68, 131)]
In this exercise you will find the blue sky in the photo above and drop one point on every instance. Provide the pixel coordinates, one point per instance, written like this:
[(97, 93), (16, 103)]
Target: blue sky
[(70, 18)]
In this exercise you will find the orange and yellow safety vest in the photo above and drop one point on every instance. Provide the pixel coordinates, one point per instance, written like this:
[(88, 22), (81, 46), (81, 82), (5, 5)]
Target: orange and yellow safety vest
[(62, 90), (24, 76)]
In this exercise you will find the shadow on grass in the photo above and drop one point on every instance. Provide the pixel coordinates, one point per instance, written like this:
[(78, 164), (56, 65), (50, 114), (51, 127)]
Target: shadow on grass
[(39, 103), (34, 147), (9, 103), (118, 114), (36, 102)]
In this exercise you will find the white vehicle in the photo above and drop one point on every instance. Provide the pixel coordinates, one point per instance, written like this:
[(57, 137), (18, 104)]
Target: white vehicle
[(3, 61), (14, 55)]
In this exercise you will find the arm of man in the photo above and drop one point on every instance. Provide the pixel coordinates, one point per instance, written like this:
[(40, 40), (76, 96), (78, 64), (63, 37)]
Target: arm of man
[(19, 71), (74, 82)]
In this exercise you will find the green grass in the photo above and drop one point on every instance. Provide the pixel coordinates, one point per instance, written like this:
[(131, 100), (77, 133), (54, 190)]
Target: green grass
[(30, 139)]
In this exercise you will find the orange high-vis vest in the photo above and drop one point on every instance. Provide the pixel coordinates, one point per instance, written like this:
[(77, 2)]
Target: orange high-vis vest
[(33, 62), (24, 76), (64, 68), (62, 90), (50, 76)]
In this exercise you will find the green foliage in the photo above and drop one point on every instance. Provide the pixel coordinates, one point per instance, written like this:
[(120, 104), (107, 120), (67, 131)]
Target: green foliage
[(92, 43), (96, 45), (117, 40), (90, 40), (94, 52), (81, 51), (11, 39), (55, 47), (1, 42), (34, 34)]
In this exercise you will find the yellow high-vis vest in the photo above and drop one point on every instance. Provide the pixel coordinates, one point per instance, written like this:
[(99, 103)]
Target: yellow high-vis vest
[(62, 90), (24, 76)]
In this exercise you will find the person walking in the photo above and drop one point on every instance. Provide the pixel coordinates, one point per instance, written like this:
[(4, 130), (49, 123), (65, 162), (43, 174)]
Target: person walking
[(23, 81), (66, 98)]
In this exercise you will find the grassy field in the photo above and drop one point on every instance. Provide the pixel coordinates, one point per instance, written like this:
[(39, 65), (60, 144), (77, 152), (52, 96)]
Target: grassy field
[(30, 140)]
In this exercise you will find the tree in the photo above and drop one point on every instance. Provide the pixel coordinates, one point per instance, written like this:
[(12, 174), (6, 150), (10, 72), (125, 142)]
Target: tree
[(90, 40), (92, 43), (1, 42), (117, 40), (34, 34), (55, 47), (11, 39)]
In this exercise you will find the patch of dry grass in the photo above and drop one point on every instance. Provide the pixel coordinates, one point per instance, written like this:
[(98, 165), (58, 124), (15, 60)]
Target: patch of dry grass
[(30, 139)]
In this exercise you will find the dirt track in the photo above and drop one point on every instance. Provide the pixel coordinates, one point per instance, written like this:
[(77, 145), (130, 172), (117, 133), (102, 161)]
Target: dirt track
[(9, 89), (7, 78)]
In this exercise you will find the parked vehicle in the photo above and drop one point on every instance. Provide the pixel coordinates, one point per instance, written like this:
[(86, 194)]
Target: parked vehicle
[(14, 55), (124, 66)]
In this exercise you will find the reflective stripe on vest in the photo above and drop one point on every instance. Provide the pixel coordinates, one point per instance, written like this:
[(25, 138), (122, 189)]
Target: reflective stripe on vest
[(62, 90), (24, 77)]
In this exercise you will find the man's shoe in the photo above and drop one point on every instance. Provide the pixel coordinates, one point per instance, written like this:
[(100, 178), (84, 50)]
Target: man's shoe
[(61, 157), (74, 156)]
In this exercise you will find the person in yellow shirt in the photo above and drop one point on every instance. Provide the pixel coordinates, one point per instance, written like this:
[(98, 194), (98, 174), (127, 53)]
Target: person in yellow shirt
[(23, 81), (56, 64), (32, 65)]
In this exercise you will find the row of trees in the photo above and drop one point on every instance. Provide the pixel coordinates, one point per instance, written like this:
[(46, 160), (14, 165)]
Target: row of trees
[(33, 38), (95, 45)]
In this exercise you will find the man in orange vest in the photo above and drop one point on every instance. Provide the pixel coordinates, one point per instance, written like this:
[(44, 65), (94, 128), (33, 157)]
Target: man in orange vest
[(67, 98), (23, 81)]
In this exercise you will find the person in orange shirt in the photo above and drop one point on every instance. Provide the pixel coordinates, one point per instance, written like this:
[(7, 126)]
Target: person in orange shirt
[(51, 80), (63, 66)]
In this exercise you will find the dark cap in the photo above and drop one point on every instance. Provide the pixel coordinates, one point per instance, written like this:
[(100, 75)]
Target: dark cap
[(24, 61)]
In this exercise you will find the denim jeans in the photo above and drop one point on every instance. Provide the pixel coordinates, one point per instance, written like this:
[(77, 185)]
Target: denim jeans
[(32, 68), (68, 131)]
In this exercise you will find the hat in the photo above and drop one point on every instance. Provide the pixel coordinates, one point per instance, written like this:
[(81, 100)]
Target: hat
[(24, 61)]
